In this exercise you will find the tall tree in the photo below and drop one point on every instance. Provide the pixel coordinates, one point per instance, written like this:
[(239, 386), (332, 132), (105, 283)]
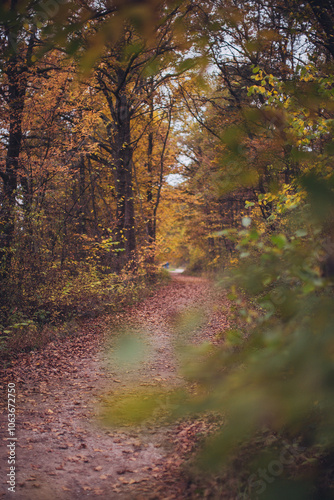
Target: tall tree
[(129, 75), (17, 46)]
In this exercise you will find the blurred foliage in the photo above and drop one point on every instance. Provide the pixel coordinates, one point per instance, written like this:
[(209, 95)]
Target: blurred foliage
[(277, 374), (281, 375), (272, 378), (151, 404)]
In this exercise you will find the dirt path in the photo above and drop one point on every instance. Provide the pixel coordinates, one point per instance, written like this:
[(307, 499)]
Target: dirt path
[(61, 450)]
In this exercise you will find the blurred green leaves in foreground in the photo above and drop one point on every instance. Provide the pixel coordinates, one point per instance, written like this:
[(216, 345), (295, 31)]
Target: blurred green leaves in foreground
[(147, 404), (274, 373), (130, 349), (272, 378)]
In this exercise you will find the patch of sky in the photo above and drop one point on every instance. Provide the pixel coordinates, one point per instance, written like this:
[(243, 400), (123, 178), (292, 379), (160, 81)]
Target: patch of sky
[(174, 179)]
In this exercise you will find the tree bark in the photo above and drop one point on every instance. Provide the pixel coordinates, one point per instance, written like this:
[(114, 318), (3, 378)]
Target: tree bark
[(17, 83), (122, 157), (150, 226), (323, 11)]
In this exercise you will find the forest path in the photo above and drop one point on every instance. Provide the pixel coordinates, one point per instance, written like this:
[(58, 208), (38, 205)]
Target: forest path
[(62, 452)]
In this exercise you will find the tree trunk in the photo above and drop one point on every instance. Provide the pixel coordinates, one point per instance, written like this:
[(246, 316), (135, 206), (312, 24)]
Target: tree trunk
[(17, 82), (123, 152), (323, 11), (150, 226)]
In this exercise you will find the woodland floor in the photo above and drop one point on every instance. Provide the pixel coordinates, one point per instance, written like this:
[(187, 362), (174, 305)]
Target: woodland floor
[(62, 450)]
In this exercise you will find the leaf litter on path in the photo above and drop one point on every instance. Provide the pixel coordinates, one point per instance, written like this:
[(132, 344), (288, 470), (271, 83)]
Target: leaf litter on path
[(59, 394)]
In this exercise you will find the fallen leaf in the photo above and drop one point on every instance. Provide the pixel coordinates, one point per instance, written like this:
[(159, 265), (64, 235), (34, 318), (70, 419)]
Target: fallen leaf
[(123, 480)]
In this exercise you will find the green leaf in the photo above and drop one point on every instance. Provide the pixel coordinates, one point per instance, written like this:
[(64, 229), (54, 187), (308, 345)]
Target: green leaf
[(254, 235), (234, 337), (308, 288), (186, 64), (279, 240), (267, 280), (224, 232), (301, 232)]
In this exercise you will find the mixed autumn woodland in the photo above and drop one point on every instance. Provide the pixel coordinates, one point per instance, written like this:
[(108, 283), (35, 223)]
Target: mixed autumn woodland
[(198, 133)]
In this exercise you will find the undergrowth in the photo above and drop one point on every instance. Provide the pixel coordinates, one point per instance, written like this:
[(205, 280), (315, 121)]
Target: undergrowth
[(58, 308)]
